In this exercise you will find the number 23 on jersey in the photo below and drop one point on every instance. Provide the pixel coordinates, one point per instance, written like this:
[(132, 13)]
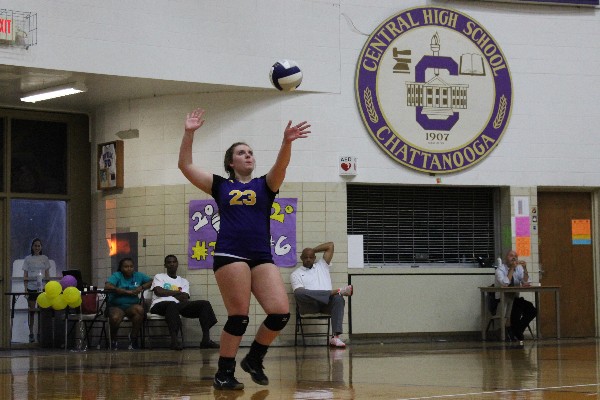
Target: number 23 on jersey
[(239, 198)]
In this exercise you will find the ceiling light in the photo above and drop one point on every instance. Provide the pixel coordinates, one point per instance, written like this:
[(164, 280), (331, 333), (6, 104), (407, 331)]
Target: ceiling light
[(53, 92)]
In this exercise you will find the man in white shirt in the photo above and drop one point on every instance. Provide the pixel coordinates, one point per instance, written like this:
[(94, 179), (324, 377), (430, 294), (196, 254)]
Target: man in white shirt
[(313, 291), (519, 312), (170, 298)]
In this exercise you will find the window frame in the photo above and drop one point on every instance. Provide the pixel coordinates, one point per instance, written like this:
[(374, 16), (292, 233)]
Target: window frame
[(440, 218)]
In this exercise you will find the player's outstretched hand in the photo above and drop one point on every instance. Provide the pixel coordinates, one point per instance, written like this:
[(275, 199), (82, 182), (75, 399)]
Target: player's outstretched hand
[(297, 131), (194, 120)]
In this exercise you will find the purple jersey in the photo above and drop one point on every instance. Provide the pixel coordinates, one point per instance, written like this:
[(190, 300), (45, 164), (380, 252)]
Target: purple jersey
[(245, 209)]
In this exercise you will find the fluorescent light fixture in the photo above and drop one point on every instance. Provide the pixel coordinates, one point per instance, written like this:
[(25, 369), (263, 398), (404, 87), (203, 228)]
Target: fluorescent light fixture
[(53, 92)]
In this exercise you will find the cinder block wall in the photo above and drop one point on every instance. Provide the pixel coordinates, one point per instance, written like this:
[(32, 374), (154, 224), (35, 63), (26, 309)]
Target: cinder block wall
[(159, 215)]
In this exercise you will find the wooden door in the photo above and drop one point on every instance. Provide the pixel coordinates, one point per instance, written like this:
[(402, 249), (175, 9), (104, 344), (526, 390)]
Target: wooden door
[(565, 264)]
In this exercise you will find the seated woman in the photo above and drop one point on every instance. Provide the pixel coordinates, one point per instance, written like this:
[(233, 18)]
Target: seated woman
[(127, 285)]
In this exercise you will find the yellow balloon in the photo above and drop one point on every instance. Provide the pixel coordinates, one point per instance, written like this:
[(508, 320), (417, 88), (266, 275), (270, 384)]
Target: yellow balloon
[(75, 303), (53, 289), (71, 294), (43, 300), (59, 302)]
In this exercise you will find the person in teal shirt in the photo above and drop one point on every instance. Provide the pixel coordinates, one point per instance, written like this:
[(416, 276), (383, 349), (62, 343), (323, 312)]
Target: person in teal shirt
[(124, 301)]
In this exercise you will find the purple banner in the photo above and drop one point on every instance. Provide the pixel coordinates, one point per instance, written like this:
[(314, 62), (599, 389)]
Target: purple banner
[(204, 225), (572, 2), (550, 2)]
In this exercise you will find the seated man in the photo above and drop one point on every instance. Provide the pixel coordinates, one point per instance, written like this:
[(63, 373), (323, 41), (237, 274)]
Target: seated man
[(170, 298), (124, 300), (313, 291), (522, 312)]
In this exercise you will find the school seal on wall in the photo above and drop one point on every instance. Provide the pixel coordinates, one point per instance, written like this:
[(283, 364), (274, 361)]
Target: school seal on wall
[(434, 89)]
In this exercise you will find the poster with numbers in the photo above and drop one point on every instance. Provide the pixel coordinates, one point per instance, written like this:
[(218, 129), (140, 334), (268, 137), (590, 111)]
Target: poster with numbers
[(204, 226)]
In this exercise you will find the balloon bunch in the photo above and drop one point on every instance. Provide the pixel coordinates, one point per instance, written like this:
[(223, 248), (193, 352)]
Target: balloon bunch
[(61, 294)]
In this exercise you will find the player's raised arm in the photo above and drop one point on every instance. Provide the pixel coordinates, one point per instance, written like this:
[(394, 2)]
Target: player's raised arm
[(276, 175), (197, 176)]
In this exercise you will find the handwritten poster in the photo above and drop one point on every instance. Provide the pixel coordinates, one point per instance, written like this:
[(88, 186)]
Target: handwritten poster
[(204, 226)]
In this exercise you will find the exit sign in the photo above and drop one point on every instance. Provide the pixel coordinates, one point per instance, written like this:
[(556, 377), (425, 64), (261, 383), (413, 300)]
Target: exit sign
[(7, 31)]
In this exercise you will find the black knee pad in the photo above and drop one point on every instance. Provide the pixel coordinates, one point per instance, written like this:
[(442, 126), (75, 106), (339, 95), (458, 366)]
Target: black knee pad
[(236, 325), (276, 322)]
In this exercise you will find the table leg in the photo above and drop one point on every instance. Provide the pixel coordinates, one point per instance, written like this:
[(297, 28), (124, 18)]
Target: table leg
[(53, 329), (502, 318), (483, 316), (12, 318), (538, 325), (557, 301)]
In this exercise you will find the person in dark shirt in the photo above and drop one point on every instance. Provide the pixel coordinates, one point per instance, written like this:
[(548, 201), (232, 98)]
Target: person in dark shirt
[(126, 285), (243, 264)]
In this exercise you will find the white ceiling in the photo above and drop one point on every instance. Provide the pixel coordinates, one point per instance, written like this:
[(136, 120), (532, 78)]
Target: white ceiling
[(101, 89)]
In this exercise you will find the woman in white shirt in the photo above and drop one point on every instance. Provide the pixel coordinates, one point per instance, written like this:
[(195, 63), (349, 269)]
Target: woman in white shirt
[(36, 269)]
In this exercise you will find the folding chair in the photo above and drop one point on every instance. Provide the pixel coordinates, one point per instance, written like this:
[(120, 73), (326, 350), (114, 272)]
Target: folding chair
[(310, 320), (125, 327), (154, 322), (91, 317)]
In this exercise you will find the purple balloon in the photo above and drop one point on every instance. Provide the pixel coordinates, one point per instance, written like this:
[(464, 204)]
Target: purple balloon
[(67, 281)]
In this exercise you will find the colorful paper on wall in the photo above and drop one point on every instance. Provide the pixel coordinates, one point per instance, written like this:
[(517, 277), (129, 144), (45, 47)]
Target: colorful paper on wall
[(521, 206), (581, 233), (204, 225), (506, 237), (523, 246), (522, 227)]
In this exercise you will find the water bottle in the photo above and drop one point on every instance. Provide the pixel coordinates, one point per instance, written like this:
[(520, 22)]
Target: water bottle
[(40, 281), (80, 342)]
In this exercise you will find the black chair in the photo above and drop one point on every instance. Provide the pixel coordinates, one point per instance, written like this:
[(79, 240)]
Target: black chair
[(125, 328), (311, 320), (154, 322), (91, 319)]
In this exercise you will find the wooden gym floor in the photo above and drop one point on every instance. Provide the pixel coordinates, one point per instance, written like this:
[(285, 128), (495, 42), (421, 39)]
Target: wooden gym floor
[(544, 369)]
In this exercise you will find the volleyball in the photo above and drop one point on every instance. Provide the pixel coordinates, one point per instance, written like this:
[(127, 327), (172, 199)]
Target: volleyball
[(285, 75)]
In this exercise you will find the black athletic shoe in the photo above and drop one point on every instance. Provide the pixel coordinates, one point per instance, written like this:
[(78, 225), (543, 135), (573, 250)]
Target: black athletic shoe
[(509, 334), (255, 369), (226, 381), (209, 344), (519, 335)]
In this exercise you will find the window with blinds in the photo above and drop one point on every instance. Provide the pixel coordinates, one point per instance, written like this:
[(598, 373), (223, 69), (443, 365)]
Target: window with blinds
[(407, 224)]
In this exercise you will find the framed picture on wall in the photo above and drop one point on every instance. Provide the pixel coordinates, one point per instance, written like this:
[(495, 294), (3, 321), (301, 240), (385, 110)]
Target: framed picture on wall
[(110, 165)]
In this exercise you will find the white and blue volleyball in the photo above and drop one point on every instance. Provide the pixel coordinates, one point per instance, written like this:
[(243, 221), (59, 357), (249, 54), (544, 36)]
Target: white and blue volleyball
[(285, 75)]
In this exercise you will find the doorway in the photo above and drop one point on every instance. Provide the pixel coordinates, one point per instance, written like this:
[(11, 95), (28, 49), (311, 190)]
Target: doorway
[(567, 262), (45, 181)]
